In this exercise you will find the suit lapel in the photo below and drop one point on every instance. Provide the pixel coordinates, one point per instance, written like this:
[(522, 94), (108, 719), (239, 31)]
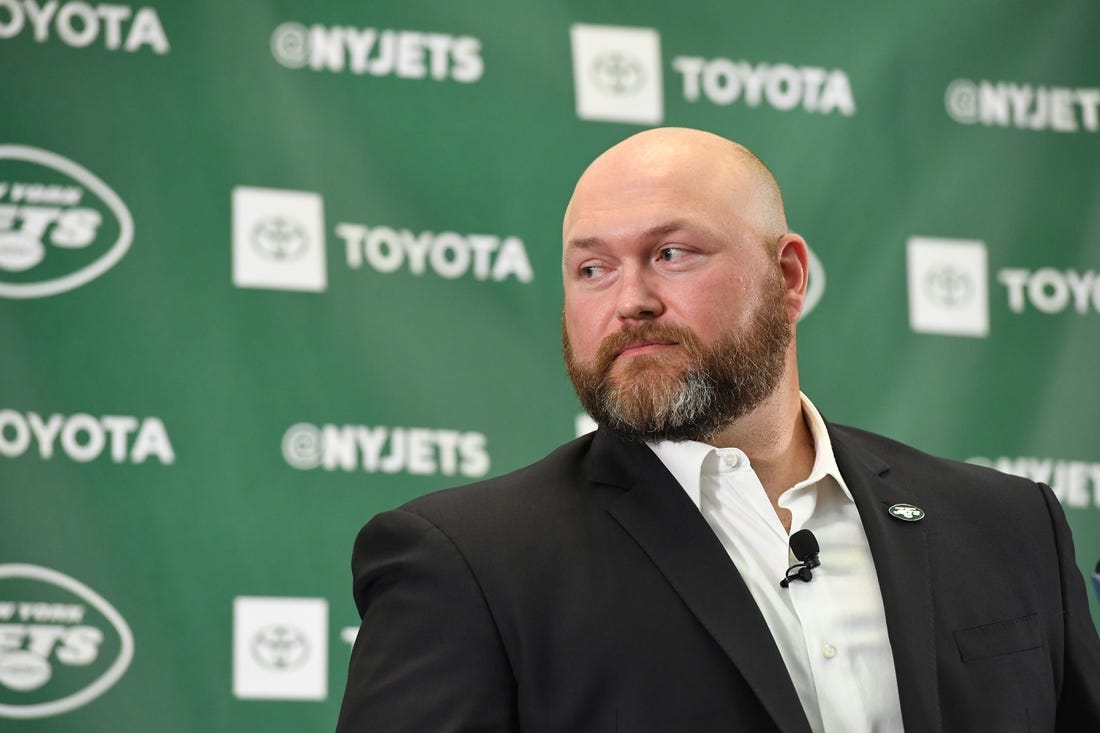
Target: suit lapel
[(900, 552), (661, 518)]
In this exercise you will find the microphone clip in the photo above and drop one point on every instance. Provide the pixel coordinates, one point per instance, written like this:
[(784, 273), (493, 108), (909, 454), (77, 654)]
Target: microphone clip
[(804, 546), (800, 571)]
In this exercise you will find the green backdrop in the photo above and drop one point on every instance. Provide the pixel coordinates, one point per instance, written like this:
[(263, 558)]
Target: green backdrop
[(269, 268)]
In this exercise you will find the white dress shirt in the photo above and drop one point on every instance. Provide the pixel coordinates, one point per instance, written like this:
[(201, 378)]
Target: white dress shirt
[(831, 632)]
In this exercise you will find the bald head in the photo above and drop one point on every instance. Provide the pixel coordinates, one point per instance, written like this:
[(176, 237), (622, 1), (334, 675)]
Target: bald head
[(677, 162), (682, 288)]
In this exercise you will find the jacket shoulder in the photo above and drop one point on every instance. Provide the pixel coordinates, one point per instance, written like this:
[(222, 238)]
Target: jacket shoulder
[(543, 486), (906, 463)]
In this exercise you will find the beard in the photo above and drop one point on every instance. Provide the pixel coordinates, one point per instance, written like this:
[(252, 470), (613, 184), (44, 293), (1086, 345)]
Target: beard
[(653, 397)]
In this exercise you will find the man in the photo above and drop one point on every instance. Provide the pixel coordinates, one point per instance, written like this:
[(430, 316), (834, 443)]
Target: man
[(630, 580)]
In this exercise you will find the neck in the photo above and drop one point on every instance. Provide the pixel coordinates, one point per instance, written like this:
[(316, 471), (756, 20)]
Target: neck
[(777, 441)]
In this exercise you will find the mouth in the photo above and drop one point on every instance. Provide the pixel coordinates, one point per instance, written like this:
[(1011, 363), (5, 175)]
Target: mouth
[(638, 348)]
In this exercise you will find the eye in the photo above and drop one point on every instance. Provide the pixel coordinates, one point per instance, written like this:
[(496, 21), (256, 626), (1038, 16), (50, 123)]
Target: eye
[(591, 272), (671, 254)]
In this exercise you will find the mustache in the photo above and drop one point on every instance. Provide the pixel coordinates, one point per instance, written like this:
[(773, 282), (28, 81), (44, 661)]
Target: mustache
[(616, 343)]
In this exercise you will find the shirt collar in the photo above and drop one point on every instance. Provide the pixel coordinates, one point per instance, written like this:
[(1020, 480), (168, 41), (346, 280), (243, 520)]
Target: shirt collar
[(685, 459), (824, 458)]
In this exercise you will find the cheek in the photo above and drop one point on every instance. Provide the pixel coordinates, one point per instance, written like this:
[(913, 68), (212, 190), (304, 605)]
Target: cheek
[(583, 322), (711, 307), (698, 298)]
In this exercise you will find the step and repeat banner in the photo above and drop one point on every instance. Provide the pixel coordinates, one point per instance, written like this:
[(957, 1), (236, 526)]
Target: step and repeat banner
[(269, 268)]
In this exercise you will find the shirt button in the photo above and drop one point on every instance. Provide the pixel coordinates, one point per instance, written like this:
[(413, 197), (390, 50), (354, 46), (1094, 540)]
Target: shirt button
[(828, 651), (732, 460)]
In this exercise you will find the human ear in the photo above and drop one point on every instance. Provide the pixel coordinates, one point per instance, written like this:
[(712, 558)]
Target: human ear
[(794, 267)]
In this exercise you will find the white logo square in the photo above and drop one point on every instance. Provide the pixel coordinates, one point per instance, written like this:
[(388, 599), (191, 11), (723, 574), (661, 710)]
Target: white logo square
[(278, 239), (617, 73), (948, 286), (280, 648)]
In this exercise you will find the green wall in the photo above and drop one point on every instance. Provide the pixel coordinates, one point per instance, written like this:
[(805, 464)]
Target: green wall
[(269, 268)]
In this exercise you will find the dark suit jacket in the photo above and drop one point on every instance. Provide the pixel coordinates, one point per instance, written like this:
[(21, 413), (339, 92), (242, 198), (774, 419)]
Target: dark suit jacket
[(587, 593)]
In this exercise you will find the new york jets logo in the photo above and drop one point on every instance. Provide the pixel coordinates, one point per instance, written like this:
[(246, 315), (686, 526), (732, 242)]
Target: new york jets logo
[(907, 512), (61, 644), (60, 225)]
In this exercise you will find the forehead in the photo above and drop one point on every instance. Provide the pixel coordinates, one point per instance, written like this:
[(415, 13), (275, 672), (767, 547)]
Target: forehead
[(600, 231), (647, 210), (650, 192)]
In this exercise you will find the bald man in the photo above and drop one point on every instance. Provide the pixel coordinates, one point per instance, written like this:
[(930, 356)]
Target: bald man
[(630, 580)]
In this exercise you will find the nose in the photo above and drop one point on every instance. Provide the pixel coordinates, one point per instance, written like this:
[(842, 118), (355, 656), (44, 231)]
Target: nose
[(637, 298)]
